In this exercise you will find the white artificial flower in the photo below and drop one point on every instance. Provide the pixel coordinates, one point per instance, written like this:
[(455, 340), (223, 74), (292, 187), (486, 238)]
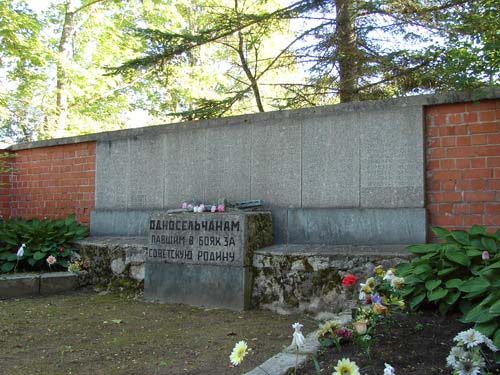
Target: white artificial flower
[(456, 353), (362, 296), (470, 338), (20, 251), (490, 344), (397, 282), (389, 275), (467, 368), (298, 338), (389, 370), (239, 352)]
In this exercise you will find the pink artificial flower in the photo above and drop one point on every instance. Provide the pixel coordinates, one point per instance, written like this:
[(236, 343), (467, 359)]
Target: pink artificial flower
[(184, 205), (51, 260), (213, 209), (201, 208), (485, 255), (61, 249), (220, 208)]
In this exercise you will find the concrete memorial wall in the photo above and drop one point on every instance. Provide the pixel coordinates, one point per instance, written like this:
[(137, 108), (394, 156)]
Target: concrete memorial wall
[(204, 259), (357, 156)]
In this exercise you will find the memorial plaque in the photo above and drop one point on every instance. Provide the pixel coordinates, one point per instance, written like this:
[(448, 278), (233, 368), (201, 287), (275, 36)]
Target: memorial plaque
[(204, 259), (216, 239)]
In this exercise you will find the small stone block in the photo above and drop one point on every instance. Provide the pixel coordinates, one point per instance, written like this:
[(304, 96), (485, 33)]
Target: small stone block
[(198, 285), (57, 282), (14, 286)]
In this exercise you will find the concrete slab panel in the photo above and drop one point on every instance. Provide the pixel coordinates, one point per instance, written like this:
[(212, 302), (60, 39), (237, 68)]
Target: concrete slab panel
[(392, 159), (228, 162), (184, 166), (276, 163), (14, 286), (330, 165), (146, 176), (57, 282), (357, 226), (112, 174), (198, 285)]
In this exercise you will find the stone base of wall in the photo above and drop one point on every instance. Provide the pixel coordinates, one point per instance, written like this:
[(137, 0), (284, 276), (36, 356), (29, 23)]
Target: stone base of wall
[(308, 278), (286, 278), (114, 261)]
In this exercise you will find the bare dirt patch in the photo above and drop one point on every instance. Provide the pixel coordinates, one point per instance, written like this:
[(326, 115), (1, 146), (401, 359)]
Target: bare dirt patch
[(89, 333)]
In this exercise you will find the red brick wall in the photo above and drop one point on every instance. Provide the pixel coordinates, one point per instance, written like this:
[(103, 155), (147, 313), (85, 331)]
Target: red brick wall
[(463, 164), (4, 191), (54, 182)]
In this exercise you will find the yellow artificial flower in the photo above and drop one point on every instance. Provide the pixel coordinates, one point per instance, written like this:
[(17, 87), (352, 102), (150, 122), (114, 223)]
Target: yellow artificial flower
[(397, 282), (379, 270), (346, 367), (401, 304), (239, 352), (366, 288), (371, 282)]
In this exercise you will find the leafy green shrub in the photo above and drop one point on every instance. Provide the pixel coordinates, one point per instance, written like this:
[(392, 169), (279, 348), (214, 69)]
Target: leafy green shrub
[(42, 239), (463, 271)]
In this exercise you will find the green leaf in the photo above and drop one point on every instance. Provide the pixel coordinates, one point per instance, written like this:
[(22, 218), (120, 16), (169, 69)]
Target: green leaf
[(489, 244), (436, 294), (473, 314), (415, 301), (8, 266), (432, 284), (495, 308), (496, 338), (460, 236), (477, 229), (418, 270), (441, 232), (473, 252), (422, 248), (453, 283), (474, 285), (488, 328), (446, 271), (452, 297), (457, 255), (12, 257), (38, 255)]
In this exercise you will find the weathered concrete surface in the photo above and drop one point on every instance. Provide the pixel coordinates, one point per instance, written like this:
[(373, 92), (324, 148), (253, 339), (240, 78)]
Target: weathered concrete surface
[(19, 285), (198, 285), (57, 282), (356, 226), (297, 278)]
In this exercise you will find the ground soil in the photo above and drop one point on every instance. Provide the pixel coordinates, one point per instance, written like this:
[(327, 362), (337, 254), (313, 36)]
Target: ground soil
[(105, 334), (414, 344)]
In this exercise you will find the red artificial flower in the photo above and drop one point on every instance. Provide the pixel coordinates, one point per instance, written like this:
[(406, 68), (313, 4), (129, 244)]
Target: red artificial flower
[(349, 280), (61, 249)]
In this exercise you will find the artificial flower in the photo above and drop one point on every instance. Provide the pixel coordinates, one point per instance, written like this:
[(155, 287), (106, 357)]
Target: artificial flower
[(51, 260), (360, 326), (471, 338), (388, 369), (366, 288), (349, 280), (213, 209), (328, 327), (20, 251), (375, 298), (371, 282), (456, 353), (201, 208), (344, 332), (379, 270), (346, 367), (220, 208), (378, 308), (362, 296), (389, 275), (485, 255), (239, 352), (397, 282), (298, 338), (184, 205)]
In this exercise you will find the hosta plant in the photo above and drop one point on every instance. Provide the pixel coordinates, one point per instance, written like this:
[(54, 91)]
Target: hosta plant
[(48, 244), (460, 272)]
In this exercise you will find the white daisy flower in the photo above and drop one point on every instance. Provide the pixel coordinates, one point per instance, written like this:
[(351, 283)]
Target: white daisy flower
[(470, 338)]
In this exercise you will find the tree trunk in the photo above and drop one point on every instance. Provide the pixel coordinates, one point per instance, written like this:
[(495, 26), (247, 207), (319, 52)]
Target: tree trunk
[(64, 56), (347, 51)]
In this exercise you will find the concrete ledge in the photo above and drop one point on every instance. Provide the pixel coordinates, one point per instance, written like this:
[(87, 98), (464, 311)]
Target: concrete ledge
[(22, 285), (334, 251)]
